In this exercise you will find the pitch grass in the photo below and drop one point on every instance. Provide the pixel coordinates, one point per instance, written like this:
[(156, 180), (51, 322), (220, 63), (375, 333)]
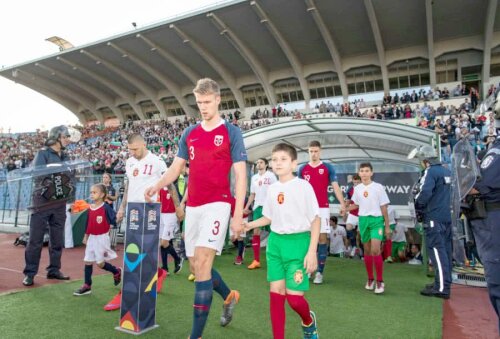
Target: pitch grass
[(343, 307)]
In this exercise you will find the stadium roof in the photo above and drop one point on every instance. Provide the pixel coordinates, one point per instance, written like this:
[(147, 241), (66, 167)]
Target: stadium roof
[(341, 139), (244, 43)]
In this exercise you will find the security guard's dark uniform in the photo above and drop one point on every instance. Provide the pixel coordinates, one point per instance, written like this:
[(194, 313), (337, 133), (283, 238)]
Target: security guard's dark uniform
[(433, 203), (52, 218), (487, 231)]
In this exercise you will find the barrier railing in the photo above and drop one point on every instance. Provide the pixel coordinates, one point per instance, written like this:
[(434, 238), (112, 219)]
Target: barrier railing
[(15, 197)]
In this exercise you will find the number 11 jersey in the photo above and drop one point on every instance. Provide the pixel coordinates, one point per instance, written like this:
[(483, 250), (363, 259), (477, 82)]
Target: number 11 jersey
[(142, 174)]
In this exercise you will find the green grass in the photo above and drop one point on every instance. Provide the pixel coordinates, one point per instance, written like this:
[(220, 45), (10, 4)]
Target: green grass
[(343, 307)]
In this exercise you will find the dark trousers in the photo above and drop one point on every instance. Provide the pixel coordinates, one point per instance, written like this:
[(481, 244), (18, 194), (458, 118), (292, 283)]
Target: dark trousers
[(53, 219), (438, 240), (487, 236)]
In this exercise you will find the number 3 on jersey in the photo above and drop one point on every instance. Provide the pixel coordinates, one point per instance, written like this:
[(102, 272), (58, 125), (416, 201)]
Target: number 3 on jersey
[(191, 152)]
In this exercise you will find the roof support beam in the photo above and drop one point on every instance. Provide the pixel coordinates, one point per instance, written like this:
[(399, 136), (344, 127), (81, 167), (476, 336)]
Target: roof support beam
[(332, 48), (488, 37), (430, 41), (169, 85), (285, 46), (216, 65), (378, 42), (120, 91), (85, 102), (67, 103), (141, 85), (105, 99), (182, 67)]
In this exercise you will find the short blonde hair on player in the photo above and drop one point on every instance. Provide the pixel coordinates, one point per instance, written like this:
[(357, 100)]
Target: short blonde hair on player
[(206, 86)]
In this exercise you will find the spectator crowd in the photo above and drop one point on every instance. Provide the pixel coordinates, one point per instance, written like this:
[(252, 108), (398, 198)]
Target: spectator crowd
[(106, 149)]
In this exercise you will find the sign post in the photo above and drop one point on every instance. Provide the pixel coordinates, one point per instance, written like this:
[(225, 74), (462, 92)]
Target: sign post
[(140, 268)]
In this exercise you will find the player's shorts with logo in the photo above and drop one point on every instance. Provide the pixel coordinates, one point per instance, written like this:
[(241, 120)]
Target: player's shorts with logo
[(168, 226), (98, 249), (324, 214), (285, 259), (257, 214), (206, 226), (371, 227)]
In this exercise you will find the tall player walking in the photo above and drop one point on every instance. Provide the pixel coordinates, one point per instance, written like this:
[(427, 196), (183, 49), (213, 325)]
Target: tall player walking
[(212, 148), (321, 175), (142, 169)]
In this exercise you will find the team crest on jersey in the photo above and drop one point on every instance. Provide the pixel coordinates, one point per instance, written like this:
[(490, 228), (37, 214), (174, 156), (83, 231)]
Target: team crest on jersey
[(281, 198), (136, 172), (218, 140), (298, 276), (151, 216), (365, 194), (321, 170), (134, 215), (260, 182), (99, 219)]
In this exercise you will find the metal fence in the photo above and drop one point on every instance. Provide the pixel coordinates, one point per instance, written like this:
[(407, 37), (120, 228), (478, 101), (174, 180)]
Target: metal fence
[(15, 197)]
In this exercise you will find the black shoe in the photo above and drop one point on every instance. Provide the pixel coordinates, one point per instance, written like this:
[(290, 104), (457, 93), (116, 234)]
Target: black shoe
[(58, 276), (433, 293), (28, 281), (84, 290), (178, 266)]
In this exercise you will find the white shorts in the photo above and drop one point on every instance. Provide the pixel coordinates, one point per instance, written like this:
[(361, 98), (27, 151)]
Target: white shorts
[(99, 249), (242, 234), (206, 226), (168, 226), (352, 220), (324, 215)]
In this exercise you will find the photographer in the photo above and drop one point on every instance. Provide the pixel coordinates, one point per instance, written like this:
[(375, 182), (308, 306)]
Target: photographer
[(52, 218), (432, 205)]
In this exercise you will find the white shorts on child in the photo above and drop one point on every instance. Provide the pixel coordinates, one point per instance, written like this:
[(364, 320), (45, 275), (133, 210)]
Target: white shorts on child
[(206, 226), (168, 226), (99, 249)]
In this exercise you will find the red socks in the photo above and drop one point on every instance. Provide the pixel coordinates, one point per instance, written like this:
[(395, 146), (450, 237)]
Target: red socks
[(277, 303), (256, 247), (299, 304), (379, 266), (369, 266), (388, 249)]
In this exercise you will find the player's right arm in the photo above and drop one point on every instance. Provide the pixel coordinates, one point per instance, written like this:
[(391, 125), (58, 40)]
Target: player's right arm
[(167, 178)]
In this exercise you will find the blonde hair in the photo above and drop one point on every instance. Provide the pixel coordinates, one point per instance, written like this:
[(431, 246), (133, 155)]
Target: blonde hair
[(206, 86)]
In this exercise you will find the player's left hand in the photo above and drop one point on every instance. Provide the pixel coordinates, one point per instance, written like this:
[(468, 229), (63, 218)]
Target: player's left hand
[(311, 262)]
